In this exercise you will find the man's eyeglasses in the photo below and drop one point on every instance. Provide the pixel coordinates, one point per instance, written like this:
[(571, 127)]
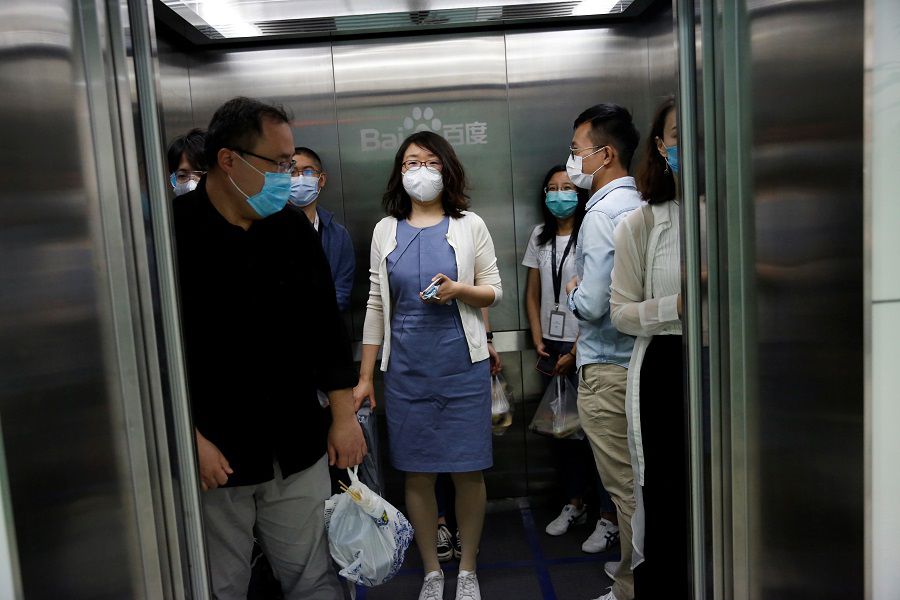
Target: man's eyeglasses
[(573, 150), (307, 172), (283, 166), (183, 176), (412, 165)]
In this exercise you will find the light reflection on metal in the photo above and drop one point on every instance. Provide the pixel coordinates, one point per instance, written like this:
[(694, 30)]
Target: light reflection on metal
[(232, 19)]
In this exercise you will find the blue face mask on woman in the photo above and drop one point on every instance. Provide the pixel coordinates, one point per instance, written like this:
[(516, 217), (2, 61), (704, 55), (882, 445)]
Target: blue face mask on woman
[(304, 190), (672, 157), (562, 204), (274, 193)]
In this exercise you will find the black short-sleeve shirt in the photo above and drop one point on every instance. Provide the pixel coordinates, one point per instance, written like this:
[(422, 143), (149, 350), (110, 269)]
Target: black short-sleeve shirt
[(262, 331)]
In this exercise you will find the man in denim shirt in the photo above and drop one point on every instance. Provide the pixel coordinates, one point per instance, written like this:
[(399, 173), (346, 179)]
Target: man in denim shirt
[(604, 142)]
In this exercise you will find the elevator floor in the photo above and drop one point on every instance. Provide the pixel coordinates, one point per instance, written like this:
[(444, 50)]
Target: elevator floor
[(518, 560)]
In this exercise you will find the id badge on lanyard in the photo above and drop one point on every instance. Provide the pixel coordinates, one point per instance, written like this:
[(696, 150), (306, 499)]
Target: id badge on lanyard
[(557, 322), (558, 317)]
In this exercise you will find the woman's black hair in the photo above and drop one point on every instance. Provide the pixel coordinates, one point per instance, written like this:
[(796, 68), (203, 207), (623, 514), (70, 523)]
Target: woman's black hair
[(454, 198), (550, 225), (655, 181)]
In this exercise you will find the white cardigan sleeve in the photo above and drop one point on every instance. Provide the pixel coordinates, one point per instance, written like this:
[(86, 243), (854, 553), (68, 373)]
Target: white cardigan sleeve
[(630, 312), (486, 270), (373, 326)]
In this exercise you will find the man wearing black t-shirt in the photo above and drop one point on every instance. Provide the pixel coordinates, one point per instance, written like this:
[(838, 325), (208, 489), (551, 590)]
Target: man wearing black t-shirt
[(256, 289)]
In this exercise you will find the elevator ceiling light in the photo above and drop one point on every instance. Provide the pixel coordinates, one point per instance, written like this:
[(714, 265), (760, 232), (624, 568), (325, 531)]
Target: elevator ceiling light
[(228, 19)]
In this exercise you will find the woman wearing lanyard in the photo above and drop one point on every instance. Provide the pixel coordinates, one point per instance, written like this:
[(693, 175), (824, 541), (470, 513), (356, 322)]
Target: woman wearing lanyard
[(550, 259)]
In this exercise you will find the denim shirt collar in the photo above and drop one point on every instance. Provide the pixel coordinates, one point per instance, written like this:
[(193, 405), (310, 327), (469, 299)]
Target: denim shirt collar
[(600, 194)]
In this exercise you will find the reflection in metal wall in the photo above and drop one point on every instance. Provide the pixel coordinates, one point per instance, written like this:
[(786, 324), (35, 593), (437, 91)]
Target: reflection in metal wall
[(71, 367), (779, 122), (175, 93), (807, 154)]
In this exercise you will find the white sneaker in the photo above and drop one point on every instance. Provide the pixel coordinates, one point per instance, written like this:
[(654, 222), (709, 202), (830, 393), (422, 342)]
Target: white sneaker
[(570, 514), (433, 586), (467, 586), (605, 536), (611, 568), (607, 596)]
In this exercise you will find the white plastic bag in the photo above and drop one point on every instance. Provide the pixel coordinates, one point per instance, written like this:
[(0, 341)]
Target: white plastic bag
[(501, 405), (557, 414), (367, 536)]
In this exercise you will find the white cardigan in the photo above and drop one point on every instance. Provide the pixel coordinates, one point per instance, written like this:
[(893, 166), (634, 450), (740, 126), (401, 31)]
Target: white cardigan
[(638, 308), (476, 264)]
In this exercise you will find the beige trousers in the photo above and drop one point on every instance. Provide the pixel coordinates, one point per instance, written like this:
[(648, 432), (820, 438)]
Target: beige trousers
[(601, 408)]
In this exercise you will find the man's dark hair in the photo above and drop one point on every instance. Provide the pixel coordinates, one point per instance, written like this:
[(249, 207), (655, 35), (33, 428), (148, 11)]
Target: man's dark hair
[(310, 153), (655, 181), (611, 125), (237, 124), (454, 198), (191, 145)]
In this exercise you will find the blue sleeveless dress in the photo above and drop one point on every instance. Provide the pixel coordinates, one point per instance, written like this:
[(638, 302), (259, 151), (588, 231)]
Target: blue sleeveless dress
[(438, 402)]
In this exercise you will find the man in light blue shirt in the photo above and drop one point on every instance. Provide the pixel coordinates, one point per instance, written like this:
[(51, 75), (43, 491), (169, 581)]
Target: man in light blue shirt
[(602, 146)]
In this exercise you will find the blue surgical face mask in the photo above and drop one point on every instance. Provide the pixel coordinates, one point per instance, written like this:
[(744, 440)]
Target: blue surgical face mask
[(562, 204), (274, 193), (304, 190), (672, 157)]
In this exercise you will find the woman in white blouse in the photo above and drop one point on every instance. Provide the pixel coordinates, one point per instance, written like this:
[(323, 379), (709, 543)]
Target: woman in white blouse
[(432, 271), (646, 302)]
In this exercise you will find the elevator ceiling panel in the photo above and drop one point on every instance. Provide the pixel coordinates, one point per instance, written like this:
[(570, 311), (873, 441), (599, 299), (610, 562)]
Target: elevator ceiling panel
[(206, 21)]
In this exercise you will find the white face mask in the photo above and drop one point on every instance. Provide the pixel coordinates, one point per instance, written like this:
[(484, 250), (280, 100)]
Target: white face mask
[(423, 184), (574, 170), (183, 188)]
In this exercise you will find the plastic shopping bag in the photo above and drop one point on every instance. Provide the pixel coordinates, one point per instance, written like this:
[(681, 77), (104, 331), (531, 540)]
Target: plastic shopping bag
[(370, 470), (557, 414), (367, 536), (501, 405)]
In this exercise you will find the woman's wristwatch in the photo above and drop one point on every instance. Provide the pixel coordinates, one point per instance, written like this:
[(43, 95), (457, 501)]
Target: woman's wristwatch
[(490, 336)]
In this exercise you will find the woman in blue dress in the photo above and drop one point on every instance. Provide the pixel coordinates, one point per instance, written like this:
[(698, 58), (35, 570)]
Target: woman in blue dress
[(437, 383)]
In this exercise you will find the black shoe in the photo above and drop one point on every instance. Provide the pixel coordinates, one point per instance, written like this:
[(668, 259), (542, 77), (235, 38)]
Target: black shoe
[(444, 543)]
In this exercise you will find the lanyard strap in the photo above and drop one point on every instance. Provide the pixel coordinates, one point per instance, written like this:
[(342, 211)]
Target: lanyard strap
[(557, 272)]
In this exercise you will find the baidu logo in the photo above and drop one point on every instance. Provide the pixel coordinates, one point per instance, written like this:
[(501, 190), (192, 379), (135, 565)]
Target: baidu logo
[(423, 119)]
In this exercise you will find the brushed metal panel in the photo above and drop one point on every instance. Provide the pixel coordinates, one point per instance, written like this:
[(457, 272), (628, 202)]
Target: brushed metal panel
[(455, 85), (61, 429), (175, 89), (806, 429)]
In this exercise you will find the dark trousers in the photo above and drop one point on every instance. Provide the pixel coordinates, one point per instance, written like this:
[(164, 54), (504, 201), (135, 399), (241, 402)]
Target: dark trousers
[(665, 570)]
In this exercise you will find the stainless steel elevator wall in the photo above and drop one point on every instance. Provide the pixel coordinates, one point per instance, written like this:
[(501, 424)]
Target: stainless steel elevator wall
[(806, 432), (505, 99), (68, 353)]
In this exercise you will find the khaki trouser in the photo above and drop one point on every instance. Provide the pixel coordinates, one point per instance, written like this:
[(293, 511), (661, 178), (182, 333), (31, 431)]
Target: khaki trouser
[(601, 408)]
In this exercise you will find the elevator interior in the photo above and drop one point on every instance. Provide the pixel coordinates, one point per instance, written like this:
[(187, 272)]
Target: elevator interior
[(99, 480)]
